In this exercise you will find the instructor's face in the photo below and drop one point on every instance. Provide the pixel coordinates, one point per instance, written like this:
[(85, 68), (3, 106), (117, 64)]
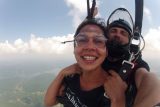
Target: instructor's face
[(118, 34)]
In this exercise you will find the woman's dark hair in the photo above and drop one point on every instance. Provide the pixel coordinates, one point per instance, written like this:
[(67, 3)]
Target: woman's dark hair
[(95, 21)]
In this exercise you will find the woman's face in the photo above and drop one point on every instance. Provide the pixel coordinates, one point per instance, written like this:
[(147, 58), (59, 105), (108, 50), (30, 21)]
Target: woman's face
[(90, 47)]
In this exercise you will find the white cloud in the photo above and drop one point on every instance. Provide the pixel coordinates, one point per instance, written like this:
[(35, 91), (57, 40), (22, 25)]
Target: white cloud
[(152, 50), (36, 45), (53, 45), (80, 5), (152, 39), (38, 55), (147, 13), (78, 9)]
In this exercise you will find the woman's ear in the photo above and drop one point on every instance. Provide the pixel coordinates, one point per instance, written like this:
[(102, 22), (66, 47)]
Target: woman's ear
[(106, 51), (74, 51)]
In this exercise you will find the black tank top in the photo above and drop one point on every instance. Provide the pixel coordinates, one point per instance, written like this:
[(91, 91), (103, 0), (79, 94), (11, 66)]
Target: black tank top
[(75, 97)]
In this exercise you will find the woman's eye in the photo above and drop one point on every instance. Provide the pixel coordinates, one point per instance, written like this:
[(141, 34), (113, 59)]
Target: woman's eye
[(98, 41), (82, 40)]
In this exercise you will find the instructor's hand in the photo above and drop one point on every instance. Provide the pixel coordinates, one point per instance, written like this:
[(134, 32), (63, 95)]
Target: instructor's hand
[(115, 87)]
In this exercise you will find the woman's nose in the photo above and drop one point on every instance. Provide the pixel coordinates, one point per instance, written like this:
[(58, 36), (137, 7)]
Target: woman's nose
[(91, 44)]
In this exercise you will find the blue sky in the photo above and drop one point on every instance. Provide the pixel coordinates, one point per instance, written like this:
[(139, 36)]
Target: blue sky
[(45, 18), (33, 29), (20, 18)]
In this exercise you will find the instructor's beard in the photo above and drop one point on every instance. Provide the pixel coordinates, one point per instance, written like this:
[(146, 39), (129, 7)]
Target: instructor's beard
[(116, 50)]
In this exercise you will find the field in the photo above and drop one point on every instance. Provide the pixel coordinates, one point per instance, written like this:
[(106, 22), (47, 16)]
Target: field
[(24, 91)]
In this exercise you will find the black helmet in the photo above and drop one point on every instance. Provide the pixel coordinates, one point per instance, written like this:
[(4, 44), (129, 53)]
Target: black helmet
[(95, 21), (122, 24), (121, 17)]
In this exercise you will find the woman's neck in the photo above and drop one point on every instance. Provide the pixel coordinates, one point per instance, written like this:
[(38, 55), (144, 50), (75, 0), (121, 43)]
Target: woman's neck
[(92, 75), (92, 79)]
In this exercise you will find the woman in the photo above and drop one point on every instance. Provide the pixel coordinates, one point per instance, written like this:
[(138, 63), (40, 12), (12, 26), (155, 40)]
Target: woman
[(85, 87)]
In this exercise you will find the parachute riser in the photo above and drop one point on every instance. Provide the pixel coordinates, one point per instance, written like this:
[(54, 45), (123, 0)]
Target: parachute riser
[(90, 11)]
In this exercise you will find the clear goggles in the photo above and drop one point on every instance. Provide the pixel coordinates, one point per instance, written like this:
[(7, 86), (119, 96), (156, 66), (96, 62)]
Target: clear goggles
[(82, 40)]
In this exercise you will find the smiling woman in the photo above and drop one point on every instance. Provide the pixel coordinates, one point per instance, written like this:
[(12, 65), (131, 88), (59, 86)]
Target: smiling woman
[(82, 87)]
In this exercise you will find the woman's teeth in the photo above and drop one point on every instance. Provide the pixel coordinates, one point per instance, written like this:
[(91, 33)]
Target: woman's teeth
[(89, 58)]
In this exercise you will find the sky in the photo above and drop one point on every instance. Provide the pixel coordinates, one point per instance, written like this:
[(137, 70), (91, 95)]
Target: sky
[(31, 31)]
